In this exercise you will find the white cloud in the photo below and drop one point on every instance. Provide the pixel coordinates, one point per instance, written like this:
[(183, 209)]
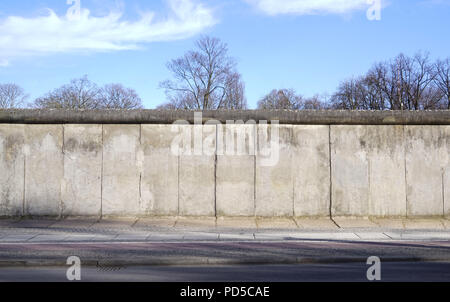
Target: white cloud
[(4, 63), (308, 7), (50, 34)]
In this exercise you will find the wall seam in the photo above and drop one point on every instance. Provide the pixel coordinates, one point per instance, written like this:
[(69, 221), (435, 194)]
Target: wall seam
[(24, 183), (331, 176), (443, 193), (140, 165), (178, 183), (293, 174), (293, 192), (180, 152), (443, 182), (369, 179), (101, 175), (215, 172), (61, 203), (405, 142), (140, 189), (255, 141)]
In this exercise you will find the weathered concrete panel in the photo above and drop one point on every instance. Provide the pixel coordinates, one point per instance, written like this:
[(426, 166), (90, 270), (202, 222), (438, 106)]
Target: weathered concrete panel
[(236, 171), (12, 175), (44, 170), (377, 170), (385, 146), (350, 171), (197, 173), (122, 162), (274, 171), (311, 169), (159, 185), (447, 192), (427, 150), (81, 191), (444, 154), (368, 171)]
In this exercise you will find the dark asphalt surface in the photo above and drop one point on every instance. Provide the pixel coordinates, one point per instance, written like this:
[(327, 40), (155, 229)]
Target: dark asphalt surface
[(228, 261), (342, 272), (194, 253)]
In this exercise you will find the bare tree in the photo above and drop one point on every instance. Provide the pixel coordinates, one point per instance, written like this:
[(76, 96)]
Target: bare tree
[(442, 79), (347, 97), (11, 96), (168, 106), (79, 94), (432, 99), (385, 85), (234, 92), (404, 83), (84, 94), (415, 77), (361, 93), (281, 99), (116, 96), (290, 100), (179, 100), (204, 79), (316, 102)]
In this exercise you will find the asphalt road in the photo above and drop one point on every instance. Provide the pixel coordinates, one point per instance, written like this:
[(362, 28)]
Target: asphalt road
[(220, 253), (339, 272)]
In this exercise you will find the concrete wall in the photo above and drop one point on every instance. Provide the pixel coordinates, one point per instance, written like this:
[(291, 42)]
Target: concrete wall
[(427, 170), (235, 177), (44, 170), (275, 183), (131, 170), (197, 174), (82, 183), (12, 170), (368, 171), (159, 182)]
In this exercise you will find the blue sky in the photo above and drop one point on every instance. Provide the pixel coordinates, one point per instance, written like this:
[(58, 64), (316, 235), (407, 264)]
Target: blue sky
[(307, 45)]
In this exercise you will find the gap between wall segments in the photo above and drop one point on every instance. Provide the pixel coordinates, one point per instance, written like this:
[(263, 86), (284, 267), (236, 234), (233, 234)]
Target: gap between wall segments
[(62, 185), (255, 142), (215, 172), (140, 165), (24, 183), (443, 193), (293, 175), (331, 176), (406, 170), (101, 176)]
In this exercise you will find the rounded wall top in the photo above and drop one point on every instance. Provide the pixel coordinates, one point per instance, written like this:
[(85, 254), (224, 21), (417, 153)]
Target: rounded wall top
[(303, 117)]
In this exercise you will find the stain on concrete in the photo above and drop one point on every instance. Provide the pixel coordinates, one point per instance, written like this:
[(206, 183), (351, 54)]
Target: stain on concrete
[(12, 145), (73, 145)]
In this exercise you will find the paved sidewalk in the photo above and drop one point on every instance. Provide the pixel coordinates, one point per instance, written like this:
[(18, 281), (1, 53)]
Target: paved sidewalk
[(210, 241), (172, 229)]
